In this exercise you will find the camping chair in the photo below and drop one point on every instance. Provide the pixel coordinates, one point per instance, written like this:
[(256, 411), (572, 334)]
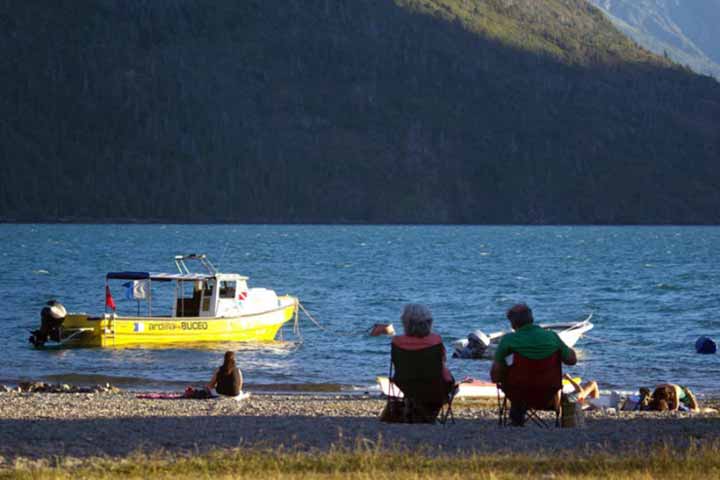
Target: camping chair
[(535, 385), (426, 395)]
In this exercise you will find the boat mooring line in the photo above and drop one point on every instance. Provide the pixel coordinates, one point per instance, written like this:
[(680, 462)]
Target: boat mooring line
[(615, 342), (296, 325), (302, 307)]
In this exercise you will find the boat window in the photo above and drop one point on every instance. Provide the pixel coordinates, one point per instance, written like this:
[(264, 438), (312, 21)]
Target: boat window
[(188, 300), (227, 289), (208, 287)]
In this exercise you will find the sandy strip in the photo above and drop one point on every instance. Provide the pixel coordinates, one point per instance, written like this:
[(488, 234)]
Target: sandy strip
[(37, 425)]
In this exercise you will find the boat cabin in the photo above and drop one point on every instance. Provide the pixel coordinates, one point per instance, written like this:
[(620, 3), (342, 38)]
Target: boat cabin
[(211, 294), (196, 294)]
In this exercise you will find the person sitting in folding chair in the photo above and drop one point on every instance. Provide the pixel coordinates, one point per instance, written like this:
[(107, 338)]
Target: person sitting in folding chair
[(418, 361), (534, 380)]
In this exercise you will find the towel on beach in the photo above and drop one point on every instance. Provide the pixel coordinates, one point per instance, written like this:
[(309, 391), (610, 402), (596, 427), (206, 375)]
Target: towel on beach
[(192, 393), (162, 396), (605, 402)]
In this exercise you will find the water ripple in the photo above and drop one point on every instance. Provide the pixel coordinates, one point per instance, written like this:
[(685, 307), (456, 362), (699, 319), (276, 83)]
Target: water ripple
[(652, 290)]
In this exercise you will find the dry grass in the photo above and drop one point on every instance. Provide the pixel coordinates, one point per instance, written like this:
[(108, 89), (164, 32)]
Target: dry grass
[(377, 462)]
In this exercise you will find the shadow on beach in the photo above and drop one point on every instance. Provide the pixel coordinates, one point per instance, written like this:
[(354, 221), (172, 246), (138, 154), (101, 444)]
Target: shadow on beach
[(121, 436)]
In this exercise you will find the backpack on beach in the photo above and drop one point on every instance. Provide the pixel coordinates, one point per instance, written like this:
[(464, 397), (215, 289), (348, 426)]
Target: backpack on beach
[(200, 393), (645, 399)]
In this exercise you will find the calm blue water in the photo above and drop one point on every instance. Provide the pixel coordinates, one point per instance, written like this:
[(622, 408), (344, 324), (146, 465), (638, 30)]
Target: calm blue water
[(653, 291)]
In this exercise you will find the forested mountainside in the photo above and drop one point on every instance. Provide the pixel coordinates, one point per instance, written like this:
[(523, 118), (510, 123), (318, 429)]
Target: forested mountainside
[(463, 111), (687, 30)]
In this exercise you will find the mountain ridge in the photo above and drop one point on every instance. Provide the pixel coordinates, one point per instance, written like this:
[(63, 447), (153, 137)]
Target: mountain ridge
[(415, 111), (683, 31)]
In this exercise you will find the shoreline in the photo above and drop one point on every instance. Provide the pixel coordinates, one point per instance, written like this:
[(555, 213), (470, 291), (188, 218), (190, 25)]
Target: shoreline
[(177, 386), (117, 424), (286, 389), (314, 223)]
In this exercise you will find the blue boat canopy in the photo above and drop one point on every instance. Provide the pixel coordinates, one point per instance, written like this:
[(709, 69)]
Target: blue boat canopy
[(157, 277), (128, 275)]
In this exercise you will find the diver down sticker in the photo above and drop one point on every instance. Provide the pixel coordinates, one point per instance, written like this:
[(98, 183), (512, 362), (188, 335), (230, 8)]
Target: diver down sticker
[(138, 327)]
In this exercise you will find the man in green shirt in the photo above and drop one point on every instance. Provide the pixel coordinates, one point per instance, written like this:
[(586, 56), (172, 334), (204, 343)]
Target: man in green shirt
[(530, 341)]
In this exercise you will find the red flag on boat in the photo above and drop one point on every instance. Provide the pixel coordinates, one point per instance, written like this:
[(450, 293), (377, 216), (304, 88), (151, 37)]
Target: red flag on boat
[(109, 302)]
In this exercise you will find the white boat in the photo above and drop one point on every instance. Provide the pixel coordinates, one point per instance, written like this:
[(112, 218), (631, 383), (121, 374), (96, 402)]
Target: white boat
[(569, 332), (466, 389)]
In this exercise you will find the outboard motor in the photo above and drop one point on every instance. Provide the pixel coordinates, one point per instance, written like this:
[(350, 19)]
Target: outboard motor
[(478, 342), (51, 319)]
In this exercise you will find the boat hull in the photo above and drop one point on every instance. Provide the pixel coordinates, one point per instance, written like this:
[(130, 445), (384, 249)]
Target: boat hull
[(569, 333), (81, 330)]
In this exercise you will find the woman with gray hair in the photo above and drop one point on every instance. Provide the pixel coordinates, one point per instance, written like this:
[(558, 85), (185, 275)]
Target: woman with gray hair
[(417, 323), (418, 359), (416, 320)]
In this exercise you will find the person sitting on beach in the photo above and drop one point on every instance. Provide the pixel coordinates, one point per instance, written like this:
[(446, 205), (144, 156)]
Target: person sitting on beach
[(530, 341), (413, 357), (227, 380), (672, 397), (580, 392)]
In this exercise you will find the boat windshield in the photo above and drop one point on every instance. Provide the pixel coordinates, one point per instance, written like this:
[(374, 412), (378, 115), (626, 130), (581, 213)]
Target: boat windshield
[(227, 289)]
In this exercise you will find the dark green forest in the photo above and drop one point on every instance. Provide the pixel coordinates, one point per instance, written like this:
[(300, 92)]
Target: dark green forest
[(381, 111)]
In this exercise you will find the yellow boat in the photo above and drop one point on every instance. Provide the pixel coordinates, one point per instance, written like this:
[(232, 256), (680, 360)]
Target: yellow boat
[(208, 307)]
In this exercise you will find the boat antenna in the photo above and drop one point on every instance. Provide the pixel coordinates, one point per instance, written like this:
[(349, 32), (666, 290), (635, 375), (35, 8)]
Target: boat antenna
[(180, 264), (222, 257), (202, 258), (208, 264)]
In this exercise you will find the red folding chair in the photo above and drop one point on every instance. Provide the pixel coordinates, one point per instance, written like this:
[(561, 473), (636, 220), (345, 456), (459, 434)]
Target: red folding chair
[(532, 385)]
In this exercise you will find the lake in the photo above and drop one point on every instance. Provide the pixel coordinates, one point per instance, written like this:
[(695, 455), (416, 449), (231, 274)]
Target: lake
[(652, 292)]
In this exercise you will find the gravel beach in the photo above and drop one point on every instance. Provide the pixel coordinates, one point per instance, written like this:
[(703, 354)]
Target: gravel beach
[(82, 425)]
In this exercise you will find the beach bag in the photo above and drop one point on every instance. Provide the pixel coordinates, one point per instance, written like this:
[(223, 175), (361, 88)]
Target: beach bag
[(572, 413), (406, 410), (394, 411), (644, 400), (631, 403), (201, 393)]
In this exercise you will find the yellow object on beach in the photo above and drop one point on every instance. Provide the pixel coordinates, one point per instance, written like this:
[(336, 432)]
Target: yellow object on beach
[(208, 307), (577, 380)]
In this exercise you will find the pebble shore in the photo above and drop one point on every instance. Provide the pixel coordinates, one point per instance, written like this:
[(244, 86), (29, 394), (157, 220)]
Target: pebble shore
[(110, 423)]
